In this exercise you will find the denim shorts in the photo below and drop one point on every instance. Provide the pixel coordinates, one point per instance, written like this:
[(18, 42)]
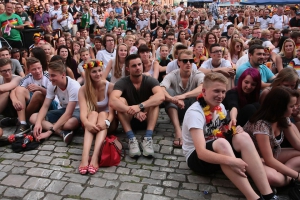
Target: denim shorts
[(53, 105), (54, 115)]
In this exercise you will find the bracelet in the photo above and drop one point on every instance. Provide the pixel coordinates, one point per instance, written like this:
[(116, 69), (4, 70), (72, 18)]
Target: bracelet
[(52, 130)]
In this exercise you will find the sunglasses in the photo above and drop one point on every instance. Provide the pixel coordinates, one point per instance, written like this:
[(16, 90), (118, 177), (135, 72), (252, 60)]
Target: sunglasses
[(187, 60)]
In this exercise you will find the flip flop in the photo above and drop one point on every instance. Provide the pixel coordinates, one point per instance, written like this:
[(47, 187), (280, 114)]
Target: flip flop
[(179, 145)]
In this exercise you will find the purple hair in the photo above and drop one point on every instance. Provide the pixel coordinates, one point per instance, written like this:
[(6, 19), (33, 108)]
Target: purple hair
[(245, 99)]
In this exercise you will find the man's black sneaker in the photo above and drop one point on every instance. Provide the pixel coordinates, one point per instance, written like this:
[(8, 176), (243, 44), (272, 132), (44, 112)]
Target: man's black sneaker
[(67, 136), (21, 129), (8, 122)]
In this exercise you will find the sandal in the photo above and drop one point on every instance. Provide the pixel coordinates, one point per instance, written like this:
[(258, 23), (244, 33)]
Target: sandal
[(92, 169), (179, 144), (83, 170)]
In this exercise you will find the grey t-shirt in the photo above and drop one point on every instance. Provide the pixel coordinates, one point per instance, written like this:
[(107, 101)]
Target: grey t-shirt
[(16, 66), (133, 96)]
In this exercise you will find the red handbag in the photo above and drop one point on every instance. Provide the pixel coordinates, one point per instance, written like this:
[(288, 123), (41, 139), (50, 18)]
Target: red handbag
[(110, 152)]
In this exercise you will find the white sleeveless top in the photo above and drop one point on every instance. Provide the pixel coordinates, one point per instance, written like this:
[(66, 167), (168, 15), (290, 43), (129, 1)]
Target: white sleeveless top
[(103, 105)]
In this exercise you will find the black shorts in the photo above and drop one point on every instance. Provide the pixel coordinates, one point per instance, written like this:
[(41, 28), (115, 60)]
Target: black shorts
[(137, 125), (203, 167)]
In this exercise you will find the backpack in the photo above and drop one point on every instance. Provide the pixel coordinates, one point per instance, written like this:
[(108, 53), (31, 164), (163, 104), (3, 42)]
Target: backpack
[(23, 142), (294, 190), (110, 152)]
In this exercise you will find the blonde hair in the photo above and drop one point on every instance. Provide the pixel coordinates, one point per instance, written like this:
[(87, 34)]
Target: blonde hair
[(214, 77), (117, 67), (57, 66), (286, 74), (90, 91), (282, 52)]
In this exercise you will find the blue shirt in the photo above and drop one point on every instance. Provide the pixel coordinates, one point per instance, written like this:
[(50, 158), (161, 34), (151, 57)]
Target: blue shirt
[(265, 73)]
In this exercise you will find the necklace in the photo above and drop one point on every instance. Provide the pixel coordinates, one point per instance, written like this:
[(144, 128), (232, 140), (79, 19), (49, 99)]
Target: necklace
[(218, 132)]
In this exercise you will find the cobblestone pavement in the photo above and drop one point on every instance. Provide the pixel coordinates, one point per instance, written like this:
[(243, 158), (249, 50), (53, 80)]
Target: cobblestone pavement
[(51, 172)]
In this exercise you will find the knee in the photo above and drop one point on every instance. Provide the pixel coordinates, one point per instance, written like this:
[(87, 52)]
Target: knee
[(38, 96), (32, 118), (92, 115), (222, 146), (21, 90), (71, 124), (274, 178)]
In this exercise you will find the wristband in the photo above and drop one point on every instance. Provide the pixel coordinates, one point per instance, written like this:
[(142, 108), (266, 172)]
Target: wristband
[(52, 130)]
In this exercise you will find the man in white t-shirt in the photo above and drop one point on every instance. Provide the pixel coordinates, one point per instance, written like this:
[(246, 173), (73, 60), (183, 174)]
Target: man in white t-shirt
[(142, 22), (8, 82), (29, 96), (54, 15), (210, 145), (280, 21), (64, 120), (179, 8), (265, 20), (109, 52)]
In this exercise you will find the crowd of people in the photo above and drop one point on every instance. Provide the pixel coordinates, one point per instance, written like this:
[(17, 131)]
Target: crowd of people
[(225, 77)]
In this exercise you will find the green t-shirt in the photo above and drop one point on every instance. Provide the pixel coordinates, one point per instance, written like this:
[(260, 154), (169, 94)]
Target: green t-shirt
[(122, 22), (85, 20), (24, 17), (13, 19)]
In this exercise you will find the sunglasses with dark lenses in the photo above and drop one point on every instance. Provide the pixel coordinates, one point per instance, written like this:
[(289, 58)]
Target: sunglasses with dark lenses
[(187, 60)]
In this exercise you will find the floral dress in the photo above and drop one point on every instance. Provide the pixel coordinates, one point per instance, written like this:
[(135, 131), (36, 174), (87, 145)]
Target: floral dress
[(265, 128)]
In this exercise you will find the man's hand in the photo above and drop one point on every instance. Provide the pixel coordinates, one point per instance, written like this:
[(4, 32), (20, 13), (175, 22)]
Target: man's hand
[(141, 116), (10, 25), (17, 105), (180, 97), (238, 166), (32, 87), (37, 130), (133, 109)]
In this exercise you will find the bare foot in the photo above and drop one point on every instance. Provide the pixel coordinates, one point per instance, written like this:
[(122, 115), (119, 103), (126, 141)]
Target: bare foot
[(44, 135)]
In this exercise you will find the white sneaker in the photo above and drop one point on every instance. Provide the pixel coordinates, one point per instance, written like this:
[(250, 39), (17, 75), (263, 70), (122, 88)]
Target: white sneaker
[(134, 149), (147, 146)]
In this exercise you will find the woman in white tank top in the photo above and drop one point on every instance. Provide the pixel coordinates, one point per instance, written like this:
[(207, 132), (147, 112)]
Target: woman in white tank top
[(95, 114), (116, 67)]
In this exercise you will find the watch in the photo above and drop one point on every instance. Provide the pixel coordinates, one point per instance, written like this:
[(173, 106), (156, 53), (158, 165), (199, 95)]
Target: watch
[(107, 123), (141, 106)]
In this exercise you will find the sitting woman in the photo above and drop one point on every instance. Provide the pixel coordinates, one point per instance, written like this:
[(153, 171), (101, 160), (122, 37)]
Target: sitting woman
[(95, 113), (242, 101), (117, 66), (268, 127), (151, 66), (236, 51), (64, 52), (47, 48), (199, 58), (287, 54), (181, 39)]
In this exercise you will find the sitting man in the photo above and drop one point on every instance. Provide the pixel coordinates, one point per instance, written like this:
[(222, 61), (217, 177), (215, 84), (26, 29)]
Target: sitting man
[(136, 98), (85, 57), (15, 64), (256, 59), (29, 96), (218, 64), (64, 120), (207, 151), (8, 82), (181, 87)]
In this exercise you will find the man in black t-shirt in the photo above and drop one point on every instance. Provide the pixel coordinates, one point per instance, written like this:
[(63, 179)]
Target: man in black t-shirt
[(295, 21), (232, 16), (136, 98), (230, 30)]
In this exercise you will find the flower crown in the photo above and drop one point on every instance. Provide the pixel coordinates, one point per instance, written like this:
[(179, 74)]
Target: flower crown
[(92, 64)]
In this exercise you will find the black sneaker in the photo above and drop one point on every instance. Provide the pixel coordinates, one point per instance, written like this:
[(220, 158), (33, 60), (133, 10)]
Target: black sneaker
[(67, 136), (21, 129), (8, 122)]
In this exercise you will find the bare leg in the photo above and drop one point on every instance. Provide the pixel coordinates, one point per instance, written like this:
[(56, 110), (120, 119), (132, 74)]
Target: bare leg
[(22, 95), (71, 124), (275, 178), (99, 140), (223, 147), (88, 139), (4, 97), (125, 118), (152, 116), (243, 143), (291, 158), (35, 103), (173, 115)]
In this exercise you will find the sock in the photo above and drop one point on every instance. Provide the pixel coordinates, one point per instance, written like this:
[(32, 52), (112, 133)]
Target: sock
[(23, 122), (149, 133), (268, 196), (130, 134)]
